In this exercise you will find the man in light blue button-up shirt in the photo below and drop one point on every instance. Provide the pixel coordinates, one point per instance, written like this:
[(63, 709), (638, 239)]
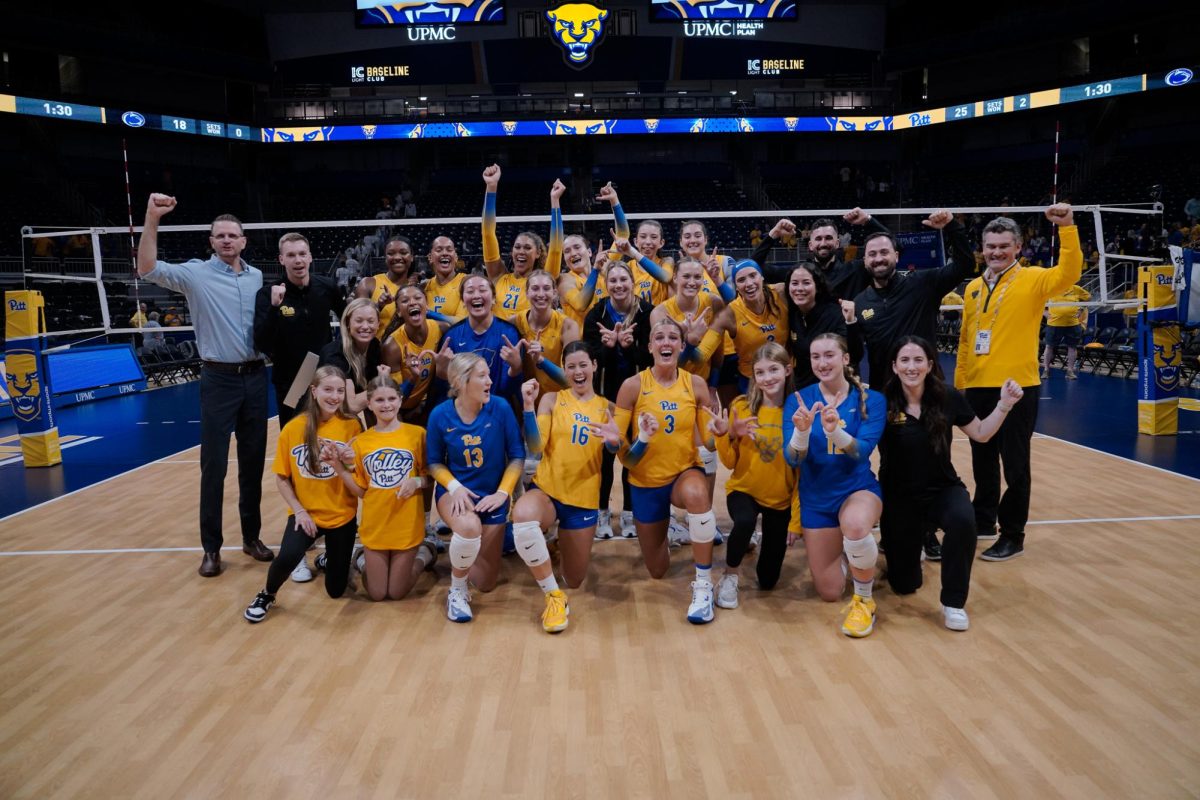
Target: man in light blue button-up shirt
[(233, 380)]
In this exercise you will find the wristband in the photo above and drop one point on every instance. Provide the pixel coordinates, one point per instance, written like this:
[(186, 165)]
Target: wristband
[(800, 439), (841, 439), (454, 486)]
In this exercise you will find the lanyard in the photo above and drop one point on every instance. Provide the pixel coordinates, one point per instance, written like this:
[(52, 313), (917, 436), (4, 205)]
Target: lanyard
[(1004, 283)]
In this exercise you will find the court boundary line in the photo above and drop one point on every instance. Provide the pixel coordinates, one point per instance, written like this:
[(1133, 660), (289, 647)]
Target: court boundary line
[(236, 548)]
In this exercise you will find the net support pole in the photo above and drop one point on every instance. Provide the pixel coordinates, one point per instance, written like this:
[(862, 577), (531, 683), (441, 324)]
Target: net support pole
[(1103, 265), (98, 263)]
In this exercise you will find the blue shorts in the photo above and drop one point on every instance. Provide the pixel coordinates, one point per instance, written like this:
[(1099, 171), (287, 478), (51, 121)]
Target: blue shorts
[(814, 518), (743, 383), (497, 517), (571, 518), (654, 505)]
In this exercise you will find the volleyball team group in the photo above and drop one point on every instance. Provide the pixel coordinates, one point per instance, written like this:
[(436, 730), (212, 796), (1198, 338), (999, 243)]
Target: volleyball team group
[(507, 399)]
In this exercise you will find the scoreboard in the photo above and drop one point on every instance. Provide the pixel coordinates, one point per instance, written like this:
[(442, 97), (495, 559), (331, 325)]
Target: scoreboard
[(78, 112)]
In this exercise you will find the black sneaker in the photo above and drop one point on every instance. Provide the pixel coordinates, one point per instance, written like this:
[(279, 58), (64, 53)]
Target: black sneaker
[(1003, 550), (933, 548), (319, 563), (257, 611)]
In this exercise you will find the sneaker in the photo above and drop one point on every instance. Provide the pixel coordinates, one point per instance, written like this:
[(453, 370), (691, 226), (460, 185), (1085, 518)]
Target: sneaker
[(604, 529), (719, 536), (458, 605), (302, 574), (431, 536), (1072, 375), (701, 609), (360, 560), (727, 590), (628, 528), (554, 618), (755, 541), (1003, 550), (933, 548), (989, 535), (257, 611), (860, 618), (431, 543), (320, 563), (956, 618), (678, 533)]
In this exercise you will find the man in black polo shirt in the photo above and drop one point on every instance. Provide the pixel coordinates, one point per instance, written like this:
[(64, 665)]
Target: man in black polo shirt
[(292, 318), (845, 279), (899, 304)]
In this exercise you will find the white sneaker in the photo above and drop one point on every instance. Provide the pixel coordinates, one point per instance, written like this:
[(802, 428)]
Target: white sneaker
[(302, 574), (727, 591), (628, 526), (701, 609), (678, 533), (360, 560), (458, 605), (755, 541), (604, 525), (956, 618)]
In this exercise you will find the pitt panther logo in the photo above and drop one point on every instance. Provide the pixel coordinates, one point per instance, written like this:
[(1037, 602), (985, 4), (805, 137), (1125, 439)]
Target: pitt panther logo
[(724, 9), (860, 123), (369, 131), (387, 467), (1168, 358), (510, 127), (580, 127), (318, 134), (24, 384), (430, 12), (790, 122), (651, 125), (578, 28)]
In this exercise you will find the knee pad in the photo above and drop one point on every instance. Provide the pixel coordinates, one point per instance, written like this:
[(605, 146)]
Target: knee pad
[(463, 551), (531, 544), (702, 528), (709, 458), (861, 553)]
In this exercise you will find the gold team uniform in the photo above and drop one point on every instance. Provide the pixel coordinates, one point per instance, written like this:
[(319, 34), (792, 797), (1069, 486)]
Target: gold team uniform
[(600, 294), (551, 338), (511, 298), (382, 282), (673, 448), (646, 286), (570, 468), (323, 494), (704, 302), (422, 376), (445, 298), (755, 330), (381, 462)]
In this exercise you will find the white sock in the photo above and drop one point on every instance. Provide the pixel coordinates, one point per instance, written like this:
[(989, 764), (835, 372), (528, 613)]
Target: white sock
[(548, 584), (458, 583), (704, 572), (863, 588), (423, 557)]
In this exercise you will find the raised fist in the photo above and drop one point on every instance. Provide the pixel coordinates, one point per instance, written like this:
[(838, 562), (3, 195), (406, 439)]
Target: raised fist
[(159, 205), (277, 294), (938, 220), (785, 227), (856, 216), (1061, 214), (491, 176), (557, 190)]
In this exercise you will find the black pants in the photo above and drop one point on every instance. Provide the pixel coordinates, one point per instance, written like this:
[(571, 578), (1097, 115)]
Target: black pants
[(904, 523), (339, 546), (607, 467), (231, 403), (285, 412), (744, 510), (1010, 447)]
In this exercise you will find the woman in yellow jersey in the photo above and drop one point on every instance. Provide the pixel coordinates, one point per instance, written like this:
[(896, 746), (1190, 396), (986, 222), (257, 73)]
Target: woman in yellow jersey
[(409, 351), (528, 250), (382, 288), (759, 314), (546, 331), (693, 243), (442, 292), (667, 406), (581, 287), (388, 473), (651, 272), (750, 442), (319, 503), (569, 430)]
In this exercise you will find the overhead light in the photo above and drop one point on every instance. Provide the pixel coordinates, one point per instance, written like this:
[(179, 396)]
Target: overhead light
[(631, 93), (422, 98), (579, 94), (733, 91), (681, 92), (474, 97)]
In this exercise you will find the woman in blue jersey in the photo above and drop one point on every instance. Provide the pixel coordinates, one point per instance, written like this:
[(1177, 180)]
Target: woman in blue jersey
[(492, 339), (476, 456), (831, 428)]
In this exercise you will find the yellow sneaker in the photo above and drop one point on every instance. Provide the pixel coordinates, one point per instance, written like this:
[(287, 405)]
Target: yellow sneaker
[(554, 618), (860, 618)]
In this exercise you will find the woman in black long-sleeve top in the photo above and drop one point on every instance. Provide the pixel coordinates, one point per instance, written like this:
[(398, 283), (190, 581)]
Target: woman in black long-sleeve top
[(617, 331), (813, 310)]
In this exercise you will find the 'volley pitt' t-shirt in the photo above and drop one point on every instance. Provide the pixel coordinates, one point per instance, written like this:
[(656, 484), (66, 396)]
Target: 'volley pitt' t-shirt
[(909, 465), (322, 494), (382, 462)]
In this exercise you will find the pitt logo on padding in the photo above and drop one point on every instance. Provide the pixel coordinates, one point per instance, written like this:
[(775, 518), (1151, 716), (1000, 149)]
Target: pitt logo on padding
[(578, 27), (24, 384), (388, 467)]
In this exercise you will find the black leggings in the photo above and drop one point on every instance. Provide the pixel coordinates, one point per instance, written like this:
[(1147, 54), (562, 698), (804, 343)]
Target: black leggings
[(607, 467), (339, 546), (744, 510), (905, 520)]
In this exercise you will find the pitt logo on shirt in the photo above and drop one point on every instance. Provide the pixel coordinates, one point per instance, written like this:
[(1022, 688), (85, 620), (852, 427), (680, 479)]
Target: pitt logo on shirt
[(388, 467), (667, 405), (468, 439)]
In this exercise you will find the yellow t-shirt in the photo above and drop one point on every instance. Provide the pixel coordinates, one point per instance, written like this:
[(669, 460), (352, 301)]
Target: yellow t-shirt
[(445, 298), (759, 468), (570, 467), (511, 298), (1068, 316), (381, 462), (673, 448), (578, 281), (323, 495), (704, 302), (422, 376), (755, 330), (551, 338)]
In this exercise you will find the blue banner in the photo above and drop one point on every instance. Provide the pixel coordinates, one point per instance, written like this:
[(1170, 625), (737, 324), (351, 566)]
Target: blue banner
[(921, 249)]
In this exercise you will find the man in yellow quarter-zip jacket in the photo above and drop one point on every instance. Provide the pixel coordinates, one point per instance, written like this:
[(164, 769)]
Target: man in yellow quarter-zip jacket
[(1001, 320)]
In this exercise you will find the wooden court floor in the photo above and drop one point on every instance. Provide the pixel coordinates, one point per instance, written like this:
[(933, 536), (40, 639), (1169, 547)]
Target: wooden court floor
[(125, 675)]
